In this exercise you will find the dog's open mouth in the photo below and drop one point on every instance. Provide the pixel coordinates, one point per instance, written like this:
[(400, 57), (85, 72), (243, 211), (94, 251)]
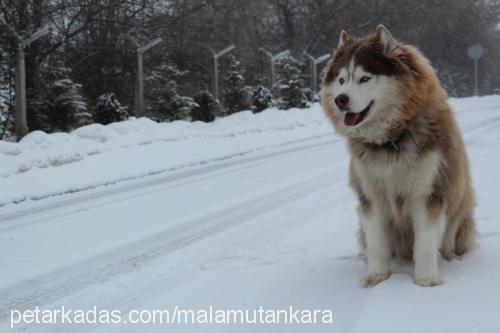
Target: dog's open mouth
[(352, 118)]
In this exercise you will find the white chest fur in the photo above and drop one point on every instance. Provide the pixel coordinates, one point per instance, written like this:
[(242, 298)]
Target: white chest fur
[(398, 177)]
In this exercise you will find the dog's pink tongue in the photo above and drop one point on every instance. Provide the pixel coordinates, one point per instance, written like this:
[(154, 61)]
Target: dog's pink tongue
[(351, 118)]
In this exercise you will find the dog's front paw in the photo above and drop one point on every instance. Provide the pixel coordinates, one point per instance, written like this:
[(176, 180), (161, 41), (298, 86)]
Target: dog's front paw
[(428, 282), (372, 280)]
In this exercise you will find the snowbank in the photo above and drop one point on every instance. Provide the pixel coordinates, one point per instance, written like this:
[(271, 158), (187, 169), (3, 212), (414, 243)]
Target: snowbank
[(96, 155)]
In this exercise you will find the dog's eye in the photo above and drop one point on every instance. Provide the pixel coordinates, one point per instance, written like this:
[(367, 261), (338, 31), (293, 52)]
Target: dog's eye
[(341, 80), (364, 79)]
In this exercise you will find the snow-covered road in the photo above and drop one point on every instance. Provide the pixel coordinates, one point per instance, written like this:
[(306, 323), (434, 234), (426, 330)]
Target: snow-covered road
[(273, 226)]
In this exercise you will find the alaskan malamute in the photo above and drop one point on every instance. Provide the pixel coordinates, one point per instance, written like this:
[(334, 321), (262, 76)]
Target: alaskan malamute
[(408, 166)]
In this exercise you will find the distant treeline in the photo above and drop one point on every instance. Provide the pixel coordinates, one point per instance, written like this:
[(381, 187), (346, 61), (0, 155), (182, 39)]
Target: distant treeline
[(90, 51)]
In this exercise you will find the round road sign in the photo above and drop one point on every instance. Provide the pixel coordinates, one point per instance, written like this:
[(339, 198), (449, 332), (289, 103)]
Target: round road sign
[(476, 51)]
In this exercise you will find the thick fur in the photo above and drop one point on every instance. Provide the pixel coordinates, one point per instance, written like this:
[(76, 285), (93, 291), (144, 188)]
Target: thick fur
[(409, 167)]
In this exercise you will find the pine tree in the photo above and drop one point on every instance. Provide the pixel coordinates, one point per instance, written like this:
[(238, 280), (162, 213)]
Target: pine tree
[(164, 102), (6, 120), (61, 106), (6, 96), (108, 110), (235, 95), (206, 107), (290, 85), (262, 98), (68, 109)]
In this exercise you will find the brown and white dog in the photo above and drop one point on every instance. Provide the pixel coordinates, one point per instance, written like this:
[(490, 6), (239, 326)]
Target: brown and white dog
[(408, 165)]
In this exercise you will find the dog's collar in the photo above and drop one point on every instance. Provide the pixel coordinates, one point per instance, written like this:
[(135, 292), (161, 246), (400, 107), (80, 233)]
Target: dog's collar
[(393, 143)]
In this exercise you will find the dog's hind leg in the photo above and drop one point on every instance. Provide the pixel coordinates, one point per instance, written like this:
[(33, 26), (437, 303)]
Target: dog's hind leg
[(465, 238), (459, 237), (448, 243)]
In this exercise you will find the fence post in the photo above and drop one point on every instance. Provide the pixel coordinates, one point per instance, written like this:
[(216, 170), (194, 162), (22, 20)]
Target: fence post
[(21, 127), (139, 91), (21, 123)]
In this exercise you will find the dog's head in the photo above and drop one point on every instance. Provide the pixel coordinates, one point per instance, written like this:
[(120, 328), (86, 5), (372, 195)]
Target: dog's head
[(363, 83)]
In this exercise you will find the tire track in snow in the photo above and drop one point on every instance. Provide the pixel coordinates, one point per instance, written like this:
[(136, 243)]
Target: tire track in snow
[(11, 220), (201, 163), (131, 257), (471, 131), (469, 128)]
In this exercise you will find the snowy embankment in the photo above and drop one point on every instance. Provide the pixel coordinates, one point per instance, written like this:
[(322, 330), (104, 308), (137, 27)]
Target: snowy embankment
[(97, 155)]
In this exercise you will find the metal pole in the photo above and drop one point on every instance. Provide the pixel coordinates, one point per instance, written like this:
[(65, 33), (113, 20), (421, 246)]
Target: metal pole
[(216, 77), (21, 127), (314, 72), (139, 84), (476, 77), (272, 60), (21, 123), (216, 56), (273, 78), (312, 60), (139, 98), (315, 78), (270, 56)]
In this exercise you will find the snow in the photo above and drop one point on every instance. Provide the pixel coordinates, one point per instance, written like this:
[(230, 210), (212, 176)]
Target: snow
[(251, 210)]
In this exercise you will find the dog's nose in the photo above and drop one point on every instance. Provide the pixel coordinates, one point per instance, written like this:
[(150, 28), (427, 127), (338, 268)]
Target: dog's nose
[(342, 100)]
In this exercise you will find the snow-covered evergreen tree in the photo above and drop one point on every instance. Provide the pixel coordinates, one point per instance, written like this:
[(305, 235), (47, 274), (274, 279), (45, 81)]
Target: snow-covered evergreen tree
[(309, 94), (68, 108), (235, 95), (163, 101), (6, 120), (207, 108), (290, 85), (108, 110), (61, 106), (262, 98), (6, 96)]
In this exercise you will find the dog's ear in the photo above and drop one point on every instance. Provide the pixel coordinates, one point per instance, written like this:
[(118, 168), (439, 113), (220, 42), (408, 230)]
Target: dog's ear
[(343, 38), (391, 47)]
